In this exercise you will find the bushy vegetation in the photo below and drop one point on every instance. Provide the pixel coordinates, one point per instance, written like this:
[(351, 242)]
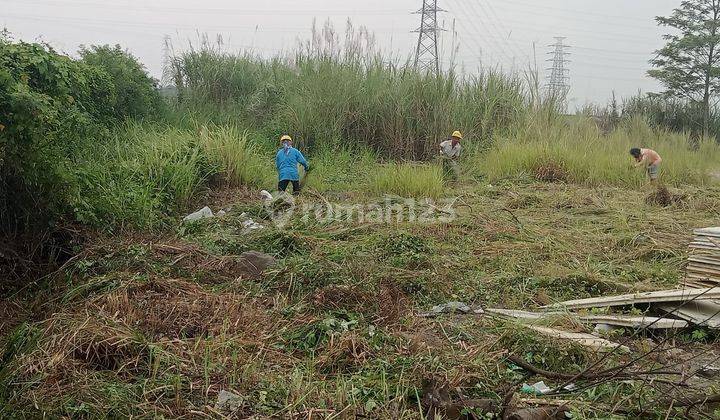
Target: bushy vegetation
[(52, 110), (135, 94), (146, 173), (672, 114)]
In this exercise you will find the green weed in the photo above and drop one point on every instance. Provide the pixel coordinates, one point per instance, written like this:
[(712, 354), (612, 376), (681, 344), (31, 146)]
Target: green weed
[(408, 180)]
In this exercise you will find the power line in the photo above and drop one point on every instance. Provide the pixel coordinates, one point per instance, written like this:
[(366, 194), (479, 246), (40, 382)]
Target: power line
[(575, 32), (426, 52), (509, 42), (218, 11), (501, 52), (557, 86)]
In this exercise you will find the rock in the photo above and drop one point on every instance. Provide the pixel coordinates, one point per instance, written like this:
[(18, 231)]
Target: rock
[(250, 225), (438, 403), (253, 263), (227, 402), (265, 196), (221, 213), (540, 413), (451, 307), (203, 213), (709, 372)]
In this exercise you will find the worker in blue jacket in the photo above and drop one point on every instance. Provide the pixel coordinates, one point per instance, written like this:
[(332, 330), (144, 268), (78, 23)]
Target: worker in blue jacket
[(287, 161)]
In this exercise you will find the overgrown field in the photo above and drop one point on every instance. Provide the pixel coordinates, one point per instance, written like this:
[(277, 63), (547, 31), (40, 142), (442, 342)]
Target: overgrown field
[(114, 308), (157, 325)]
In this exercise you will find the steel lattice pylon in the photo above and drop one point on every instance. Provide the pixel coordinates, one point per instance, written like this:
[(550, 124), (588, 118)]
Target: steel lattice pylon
[(557, 86), (426, 54)]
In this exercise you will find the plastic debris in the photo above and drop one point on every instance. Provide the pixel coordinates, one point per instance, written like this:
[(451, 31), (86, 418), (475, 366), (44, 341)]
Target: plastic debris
[(538, 388)]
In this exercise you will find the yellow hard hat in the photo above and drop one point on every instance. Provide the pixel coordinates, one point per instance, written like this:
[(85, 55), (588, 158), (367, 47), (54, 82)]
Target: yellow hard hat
[(457, 134), (285, 137)]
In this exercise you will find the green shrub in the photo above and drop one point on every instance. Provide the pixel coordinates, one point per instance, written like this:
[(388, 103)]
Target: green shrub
[(136, 93), (50, 107)]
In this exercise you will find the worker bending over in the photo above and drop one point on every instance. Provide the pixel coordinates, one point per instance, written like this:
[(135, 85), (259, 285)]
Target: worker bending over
[(450, 152), (286, 161), (648, 158)]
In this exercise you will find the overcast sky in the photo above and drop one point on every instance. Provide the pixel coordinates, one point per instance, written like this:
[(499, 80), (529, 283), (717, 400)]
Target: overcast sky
[(612, 40)]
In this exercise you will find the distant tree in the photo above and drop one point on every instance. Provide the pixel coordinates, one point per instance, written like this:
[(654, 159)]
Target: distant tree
[(689, 64)]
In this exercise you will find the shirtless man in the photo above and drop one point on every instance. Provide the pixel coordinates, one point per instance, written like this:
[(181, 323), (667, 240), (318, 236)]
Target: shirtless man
[(648, 158)]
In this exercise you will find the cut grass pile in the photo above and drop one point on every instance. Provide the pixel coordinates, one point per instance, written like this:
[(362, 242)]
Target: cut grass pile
[(150, 325)]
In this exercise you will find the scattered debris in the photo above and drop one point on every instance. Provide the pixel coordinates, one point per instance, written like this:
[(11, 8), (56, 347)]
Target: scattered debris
[(437, 402), (265, 196), (615, 320), (203, 213), (675, 295), (228, 402), (583, 339), (639, 322), (702, 313), (703, 269), (538, 388)]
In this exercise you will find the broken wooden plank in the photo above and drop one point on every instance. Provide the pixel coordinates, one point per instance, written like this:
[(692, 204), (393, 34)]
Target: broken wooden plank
[(698, 284), (702, 278), (710, 231), (618, 320), (675, 295), (583, 339), (635, 321), (703, 313), (524, 315), (701, 259)]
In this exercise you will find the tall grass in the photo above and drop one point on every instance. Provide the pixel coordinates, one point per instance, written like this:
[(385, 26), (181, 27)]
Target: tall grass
[(576, 151), (236, 159), (147, 173), (338, 91), (408, 180)]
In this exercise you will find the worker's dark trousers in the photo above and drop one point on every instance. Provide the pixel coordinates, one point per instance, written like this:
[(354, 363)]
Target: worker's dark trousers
[(282, 185)]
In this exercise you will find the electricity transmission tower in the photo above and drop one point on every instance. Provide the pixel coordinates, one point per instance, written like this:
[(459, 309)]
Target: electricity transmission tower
[(557, 85), (426, 53)]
